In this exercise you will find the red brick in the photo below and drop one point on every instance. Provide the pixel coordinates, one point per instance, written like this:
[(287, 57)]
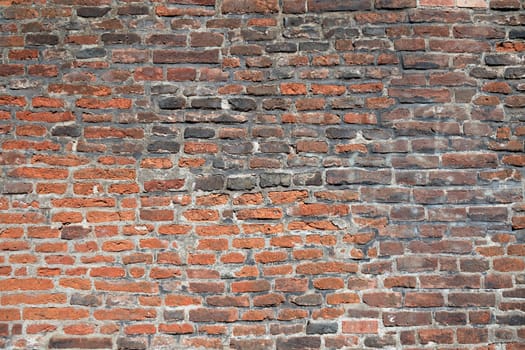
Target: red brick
[(245, 6), (213, 315), (416, 299), (54, 313), (438, 336), (360, 327), (250, 286), (472, 335), (379, 299)]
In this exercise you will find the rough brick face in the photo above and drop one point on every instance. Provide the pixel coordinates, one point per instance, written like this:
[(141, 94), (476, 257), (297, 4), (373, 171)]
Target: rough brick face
[(262, 174)]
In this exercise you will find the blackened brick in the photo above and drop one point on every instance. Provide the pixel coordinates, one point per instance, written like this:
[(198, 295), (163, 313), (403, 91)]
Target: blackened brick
[(130, 344), (242, 104), (80, 343), (340, 133), (206, 103), (90, 12), (274, 180), (281, 47), (515, 73), (173, 56), (308, 179), (321, 328), (172, 103), (338, 5), (209, 182), (132, 10), (199, 133), (42, 39), (241, 183), (66, 130), (91, 53), (239, 148), (120, 39), (164, 147), (299, 343)]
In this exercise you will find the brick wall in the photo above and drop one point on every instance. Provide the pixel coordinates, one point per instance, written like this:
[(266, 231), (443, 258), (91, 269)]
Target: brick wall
[(262, 174)]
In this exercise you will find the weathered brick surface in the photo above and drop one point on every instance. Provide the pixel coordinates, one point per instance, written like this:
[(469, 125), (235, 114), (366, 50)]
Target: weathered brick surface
[(262, 174)]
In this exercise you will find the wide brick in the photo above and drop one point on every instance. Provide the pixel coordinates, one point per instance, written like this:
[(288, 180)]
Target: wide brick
[(438, 336), (415, 299), (406, 318), (54, 313), (360, 327), (57, 342), (395, 4), (247, 6), (472, 335), (338, 5), (180, 56), (357, 176), (213, 315), (378, 299)]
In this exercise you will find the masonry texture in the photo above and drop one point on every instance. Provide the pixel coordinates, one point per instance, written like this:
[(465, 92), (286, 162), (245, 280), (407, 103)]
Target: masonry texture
[(262, 174)]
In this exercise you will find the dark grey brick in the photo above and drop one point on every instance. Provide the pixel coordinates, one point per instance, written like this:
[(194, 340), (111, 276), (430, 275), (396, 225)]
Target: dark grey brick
[(281, 47), (241, 183), (131, 344), (308, 179), (343, 33), (120, 39), (500, 60), (276, 103), (133, 10), (41, 39), (274, 180), (162, 130), (515, 73), (199, 133), (62, 342), (483, 73), (239, 148), (242, 104), (313, 46), (511, 320), (340, 133), (66, 130), (206, 103), (209, 182), (172, 103), (299, 343), (163, 89), (92, 11), (380, 342), (91, 53), (258, 35), (517, 34), (164, 147), (321, 328), (274, 147), (338, 5)]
